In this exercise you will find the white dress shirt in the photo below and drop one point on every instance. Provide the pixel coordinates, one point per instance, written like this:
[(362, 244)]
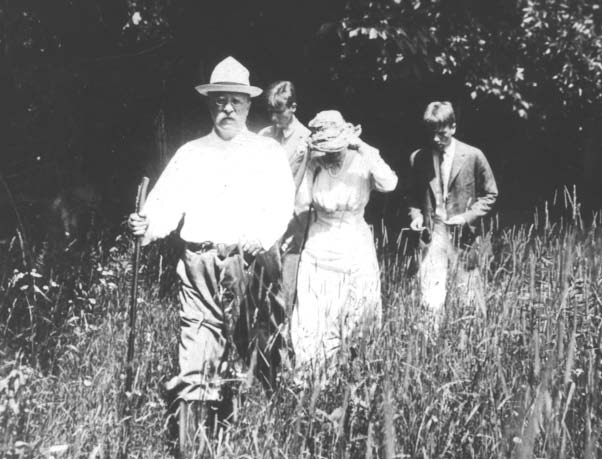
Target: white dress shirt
[(289, 137), (226, 191)]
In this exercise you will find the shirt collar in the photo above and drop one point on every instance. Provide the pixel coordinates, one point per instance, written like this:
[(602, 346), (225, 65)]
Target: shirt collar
[(449, 151), (289, 130), (235, 140)]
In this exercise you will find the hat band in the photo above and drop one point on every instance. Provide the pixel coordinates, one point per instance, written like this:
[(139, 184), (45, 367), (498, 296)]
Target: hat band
[(231, 83)]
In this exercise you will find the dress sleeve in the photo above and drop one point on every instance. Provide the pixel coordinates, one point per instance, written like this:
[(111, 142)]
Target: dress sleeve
[(382, 177), (166, 202)]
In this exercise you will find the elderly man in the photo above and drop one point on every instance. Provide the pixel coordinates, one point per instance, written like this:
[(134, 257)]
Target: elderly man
[(231, 193), (452, 188)]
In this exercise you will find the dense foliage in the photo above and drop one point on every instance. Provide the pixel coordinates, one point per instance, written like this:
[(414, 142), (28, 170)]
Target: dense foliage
[(538, 55), (97, 93)]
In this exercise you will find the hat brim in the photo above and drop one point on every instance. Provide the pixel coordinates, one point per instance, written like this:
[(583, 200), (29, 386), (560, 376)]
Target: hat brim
[(253, 91)]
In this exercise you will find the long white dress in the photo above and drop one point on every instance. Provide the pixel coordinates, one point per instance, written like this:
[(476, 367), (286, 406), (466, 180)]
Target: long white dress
[(338, 284)]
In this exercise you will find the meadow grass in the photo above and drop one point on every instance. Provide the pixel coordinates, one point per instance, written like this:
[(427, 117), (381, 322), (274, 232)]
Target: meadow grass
[(520, 379)]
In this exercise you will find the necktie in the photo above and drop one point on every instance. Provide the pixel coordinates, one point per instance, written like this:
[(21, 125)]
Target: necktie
[(440, 206), (280, 136)]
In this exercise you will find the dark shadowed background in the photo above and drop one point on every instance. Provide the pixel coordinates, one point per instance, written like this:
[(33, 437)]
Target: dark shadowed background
[(95, 94)]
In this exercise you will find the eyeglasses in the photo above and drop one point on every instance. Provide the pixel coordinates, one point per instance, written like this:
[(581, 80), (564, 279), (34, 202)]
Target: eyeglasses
[(222, 101)]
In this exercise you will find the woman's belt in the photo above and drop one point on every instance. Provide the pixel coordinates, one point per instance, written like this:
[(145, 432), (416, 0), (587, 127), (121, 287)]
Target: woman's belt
[(340, 217)]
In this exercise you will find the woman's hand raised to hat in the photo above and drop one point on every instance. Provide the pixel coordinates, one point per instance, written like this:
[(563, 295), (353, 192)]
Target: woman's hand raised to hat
[(361, 147), (355, 143)]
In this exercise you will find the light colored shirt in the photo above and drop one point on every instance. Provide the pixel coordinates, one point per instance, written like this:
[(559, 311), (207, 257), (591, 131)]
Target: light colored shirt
[(443, 164), (446, 166), (292, 138), (226, 191)]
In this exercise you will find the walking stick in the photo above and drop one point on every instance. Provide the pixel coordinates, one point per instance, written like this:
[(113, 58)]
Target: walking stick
[(140, 199)]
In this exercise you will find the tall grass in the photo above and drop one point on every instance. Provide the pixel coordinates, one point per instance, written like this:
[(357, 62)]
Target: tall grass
[(520, 379)]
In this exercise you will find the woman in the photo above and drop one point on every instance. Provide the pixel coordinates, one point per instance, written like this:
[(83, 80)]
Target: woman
[(338, 284)]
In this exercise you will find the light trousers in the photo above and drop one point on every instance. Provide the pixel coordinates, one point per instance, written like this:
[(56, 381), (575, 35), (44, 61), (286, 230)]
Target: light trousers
[(228, 307), (445, 273)]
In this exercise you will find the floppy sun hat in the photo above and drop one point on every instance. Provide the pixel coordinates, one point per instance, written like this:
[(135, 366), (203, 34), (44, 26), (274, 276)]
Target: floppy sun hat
[(229, 76), (331, 133)]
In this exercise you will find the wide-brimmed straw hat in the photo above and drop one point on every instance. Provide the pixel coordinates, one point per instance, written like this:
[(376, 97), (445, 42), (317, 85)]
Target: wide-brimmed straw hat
[(229, 76), (331, 133)]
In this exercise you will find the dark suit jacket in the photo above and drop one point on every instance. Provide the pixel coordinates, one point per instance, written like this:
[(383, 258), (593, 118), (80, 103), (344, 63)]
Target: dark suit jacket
[(472, 189)]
